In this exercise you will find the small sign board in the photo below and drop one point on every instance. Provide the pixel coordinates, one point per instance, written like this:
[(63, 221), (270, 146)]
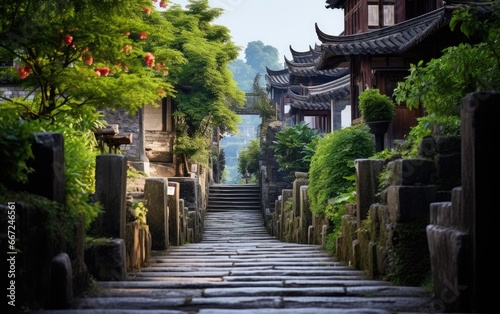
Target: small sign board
[(170, 190)]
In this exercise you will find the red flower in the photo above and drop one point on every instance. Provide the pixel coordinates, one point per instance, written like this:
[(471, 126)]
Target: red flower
[(88, 60), (143, 35), (147, 10), (102, 71), (163, 4), (24, 72), (68, 39), (150, 59)]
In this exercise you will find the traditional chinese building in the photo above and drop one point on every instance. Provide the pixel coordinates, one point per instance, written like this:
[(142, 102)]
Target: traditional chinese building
[(301, 92), (382, 39)]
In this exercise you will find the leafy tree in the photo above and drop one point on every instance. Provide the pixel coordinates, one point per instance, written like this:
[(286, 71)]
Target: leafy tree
[(293, 147), (263, 105), (243, 74), (73, 53), (206, 88), (260, 56), (248, 159)]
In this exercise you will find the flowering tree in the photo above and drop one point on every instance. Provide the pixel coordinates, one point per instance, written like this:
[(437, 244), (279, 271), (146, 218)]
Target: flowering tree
[(73, 53)]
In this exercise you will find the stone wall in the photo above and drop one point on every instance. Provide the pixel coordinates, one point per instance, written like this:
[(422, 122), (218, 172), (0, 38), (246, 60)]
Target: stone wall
[(291, 219), (128, 124), (271, 180)]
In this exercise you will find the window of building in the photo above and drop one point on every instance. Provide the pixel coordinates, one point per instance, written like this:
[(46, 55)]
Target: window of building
[(373, 15), (388, 14)]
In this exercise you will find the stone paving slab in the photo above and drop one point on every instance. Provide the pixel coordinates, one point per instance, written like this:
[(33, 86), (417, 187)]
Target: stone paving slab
[(239, 269)]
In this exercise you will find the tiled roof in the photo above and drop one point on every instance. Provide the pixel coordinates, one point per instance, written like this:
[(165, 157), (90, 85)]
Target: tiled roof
[(308, 69), (395, 39), (309, 56), (318, 97), (279, 79), (388, 40)]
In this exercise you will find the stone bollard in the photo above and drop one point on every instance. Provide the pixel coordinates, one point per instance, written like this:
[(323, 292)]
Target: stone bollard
[(189, 191), (174, 212), (111, 187), (155, 200), (106, 259), (61, 282), (367, 172), (305, 215), (48, 177)]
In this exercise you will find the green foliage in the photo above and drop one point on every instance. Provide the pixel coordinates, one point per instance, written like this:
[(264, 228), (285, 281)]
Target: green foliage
[(332, 165), (15, 149), (433, 125), (58, 222), (375, 106), (248, 159), (206, 88), (263, 105), (79, 154), (336, 209), (260, 56), (243, 74), (291, 147), (133, 173), (440, 84), (409, 259), (137, 211)]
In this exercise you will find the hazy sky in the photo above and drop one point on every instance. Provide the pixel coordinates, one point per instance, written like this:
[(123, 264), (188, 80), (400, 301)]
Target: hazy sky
[(277, 23)]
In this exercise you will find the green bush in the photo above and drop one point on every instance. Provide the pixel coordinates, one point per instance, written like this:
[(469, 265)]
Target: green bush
[(332, 166), (248, 159), (80, 151), (376, 107), (294, 147)]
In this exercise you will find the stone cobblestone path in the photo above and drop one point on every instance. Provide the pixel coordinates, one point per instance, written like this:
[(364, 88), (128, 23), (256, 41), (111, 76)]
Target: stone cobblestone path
[(240, 268)]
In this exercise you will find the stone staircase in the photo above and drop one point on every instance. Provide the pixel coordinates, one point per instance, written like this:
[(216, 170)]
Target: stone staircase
[(240, 268), (223, 197)]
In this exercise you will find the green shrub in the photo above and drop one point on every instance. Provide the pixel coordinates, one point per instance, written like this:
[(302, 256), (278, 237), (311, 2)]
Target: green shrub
[(248, 159), (80, 151), (376, 107), (294, 147), (332, 166)]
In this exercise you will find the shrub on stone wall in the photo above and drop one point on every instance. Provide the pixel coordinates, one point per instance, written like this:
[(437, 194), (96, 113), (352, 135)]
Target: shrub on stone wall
[(332, 165)]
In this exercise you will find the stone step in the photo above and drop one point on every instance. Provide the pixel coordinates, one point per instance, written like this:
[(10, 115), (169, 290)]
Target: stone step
[(238, 268)]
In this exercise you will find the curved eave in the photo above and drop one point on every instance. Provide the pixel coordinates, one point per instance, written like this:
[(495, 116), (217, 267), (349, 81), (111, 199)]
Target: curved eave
[(279, 82), (326, 88), (423, 21), (323, 93), (311, 106), (276, 72), (311, 69), (309, 56)]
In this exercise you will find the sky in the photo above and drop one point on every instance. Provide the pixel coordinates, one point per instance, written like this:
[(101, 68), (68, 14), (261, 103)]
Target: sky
[(277, 23)]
